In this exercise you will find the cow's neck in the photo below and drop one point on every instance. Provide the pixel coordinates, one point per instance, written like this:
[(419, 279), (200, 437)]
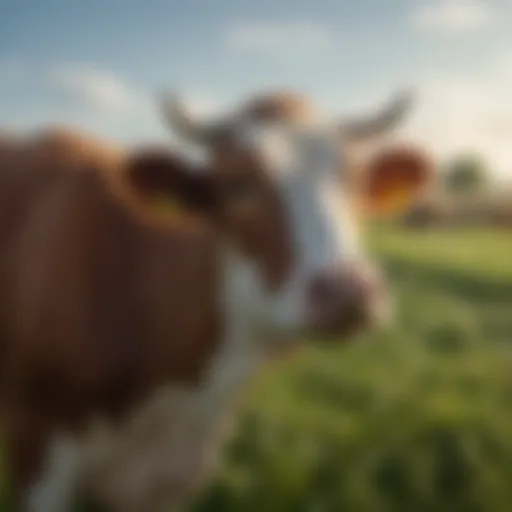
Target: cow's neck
[(243, 348), (178, 431)]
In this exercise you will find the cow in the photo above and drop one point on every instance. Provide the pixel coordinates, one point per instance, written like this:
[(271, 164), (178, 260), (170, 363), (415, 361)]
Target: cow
[(140, 290)]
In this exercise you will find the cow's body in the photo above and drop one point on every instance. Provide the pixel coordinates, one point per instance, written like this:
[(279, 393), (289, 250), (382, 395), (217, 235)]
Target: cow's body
[(110, 318), (125, 337)]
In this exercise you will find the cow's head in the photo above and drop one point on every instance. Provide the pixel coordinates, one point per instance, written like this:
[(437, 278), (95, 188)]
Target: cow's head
[(280, 186)]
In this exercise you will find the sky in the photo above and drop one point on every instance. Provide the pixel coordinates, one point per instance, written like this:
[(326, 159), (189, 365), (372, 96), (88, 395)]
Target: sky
[(99, 64)]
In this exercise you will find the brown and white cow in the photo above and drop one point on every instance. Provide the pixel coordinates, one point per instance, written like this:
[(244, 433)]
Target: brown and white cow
[(126, 331)]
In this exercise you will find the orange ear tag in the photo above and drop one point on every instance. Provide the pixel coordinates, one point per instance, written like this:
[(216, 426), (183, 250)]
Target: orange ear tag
[(394, 199)]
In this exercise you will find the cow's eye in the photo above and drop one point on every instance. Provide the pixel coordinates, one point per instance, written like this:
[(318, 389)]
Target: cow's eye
[(240, 187)]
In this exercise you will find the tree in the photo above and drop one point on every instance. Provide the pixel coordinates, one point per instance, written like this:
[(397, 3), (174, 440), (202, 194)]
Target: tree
[(466, 174)]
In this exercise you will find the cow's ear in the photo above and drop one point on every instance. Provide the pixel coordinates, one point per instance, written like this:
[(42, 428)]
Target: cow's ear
[(393, 179), (160, 178)]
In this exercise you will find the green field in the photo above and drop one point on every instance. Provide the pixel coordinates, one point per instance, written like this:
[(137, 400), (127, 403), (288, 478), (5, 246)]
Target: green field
[(418, 418)]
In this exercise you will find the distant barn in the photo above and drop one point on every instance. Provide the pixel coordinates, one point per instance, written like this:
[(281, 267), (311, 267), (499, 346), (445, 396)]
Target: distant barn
[(490, 208)]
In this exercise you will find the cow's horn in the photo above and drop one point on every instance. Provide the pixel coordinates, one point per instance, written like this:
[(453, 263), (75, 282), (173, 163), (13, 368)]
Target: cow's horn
[(385, 120), (180, 120)]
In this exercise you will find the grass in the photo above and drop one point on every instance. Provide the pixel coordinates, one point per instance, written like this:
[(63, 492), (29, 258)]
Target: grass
[(416, 418), (482, 254)]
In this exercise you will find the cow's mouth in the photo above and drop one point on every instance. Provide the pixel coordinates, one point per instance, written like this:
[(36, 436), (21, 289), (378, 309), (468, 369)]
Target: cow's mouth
[(352, 319)]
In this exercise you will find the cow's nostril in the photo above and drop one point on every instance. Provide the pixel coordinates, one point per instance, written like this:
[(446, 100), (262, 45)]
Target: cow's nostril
[(323, 290), (348, 296)]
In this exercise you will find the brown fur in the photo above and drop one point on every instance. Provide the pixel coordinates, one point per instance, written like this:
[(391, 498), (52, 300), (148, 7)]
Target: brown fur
[(255, 219), (96, 307), (100, 304)]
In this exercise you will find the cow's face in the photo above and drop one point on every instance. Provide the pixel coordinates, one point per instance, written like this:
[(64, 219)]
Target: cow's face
[(285, 205), (286, 201)]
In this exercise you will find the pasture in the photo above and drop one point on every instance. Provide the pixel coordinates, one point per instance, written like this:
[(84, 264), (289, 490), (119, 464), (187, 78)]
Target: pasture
[(416, 418)]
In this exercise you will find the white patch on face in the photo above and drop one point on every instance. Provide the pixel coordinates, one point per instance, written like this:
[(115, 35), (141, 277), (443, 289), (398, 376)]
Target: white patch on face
[(307, 168)]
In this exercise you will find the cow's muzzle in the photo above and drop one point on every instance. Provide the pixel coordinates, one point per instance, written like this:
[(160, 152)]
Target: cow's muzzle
[(345, 299)]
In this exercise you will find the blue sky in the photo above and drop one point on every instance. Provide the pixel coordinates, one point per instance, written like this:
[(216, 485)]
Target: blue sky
[(97, 64)]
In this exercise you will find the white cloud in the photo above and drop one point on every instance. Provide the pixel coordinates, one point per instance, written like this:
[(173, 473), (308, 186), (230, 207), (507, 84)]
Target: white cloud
[(202, 104), (274, 38), (454, 116), (91, 98), (453, 15), (97, 89)]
